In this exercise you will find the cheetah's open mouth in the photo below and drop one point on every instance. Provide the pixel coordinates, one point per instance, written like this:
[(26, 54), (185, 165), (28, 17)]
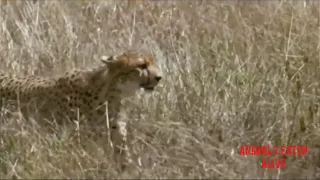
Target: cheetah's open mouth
[(147, 88)]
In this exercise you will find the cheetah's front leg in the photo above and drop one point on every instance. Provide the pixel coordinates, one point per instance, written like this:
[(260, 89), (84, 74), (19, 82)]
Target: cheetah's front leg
[(119, 135)]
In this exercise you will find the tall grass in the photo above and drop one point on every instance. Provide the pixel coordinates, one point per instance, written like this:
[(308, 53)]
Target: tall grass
[(235, 73)]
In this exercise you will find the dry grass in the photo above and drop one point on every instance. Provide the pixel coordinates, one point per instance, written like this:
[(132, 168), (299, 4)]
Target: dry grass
[(236, 73)]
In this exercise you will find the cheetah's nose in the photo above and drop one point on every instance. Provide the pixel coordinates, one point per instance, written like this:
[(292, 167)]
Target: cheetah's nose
[(158, 78)]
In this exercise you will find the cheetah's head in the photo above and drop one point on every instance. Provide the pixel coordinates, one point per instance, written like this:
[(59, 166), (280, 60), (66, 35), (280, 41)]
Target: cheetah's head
[(135, 69)]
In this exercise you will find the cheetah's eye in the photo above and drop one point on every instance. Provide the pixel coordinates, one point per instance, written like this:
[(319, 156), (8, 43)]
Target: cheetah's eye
[(143, 66)]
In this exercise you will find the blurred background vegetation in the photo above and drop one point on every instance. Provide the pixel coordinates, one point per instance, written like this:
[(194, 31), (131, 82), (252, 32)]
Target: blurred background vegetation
[(235, 73)]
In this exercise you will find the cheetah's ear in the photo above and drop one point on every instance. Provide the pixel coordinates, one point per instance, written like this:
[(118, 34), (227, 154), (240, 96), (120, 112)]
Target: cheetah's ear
[(112, 62), (107, 59)]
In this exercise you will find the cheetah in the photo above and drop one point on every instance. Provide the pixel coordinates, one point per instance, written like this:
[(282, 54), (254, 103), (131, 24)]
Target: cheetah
[(94, 94)]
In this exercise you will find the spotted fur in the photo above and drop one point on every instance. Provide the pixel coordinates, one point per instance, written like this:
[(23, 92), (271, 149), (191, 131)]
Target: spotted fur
[(84, 93)]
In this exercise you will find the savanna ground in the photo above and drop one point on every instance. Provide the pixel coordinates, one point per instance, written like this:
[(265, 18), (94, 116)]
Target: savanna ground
[(235, 73)]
